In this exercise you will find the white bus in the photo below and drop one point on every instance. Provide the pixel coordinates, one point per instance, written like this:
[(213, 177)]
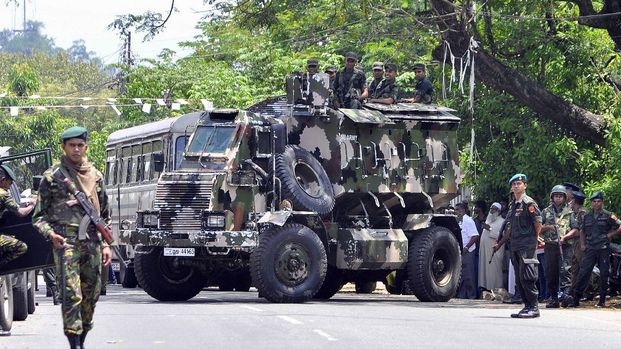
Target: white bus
[(135, 157)]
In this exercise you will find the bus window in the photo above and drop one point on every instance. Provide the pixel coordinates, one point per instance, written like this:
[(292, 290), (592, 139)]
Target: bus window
[(147, 149), (136, 153), (126, 162), (110, 156), (180, 144), (158, 147)]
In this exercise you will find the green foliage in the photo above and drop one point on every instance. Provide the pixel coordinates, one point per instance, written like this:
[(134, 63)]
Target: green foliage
[(23, 80)]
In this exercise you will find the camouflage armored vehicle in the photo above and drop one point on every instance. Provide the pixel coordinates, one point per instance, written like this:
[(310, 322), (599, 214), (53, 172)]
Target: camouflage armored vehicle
[(299, 198)]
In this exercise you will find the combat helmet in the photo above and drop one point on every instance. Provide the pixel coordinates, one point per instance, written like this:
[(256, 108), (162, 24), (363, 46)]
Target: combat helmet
[(558, 189)]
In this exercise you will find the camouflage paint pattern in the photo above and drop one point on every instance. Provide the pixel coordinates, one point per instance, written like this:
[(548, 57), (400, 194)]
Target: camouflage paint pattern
[(79, 291), (391, 167)]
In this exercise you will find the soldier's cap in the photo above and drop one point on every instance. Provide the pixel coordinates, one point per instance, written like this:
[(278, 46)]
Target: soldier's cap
[(330, 69), (351, 55), (518, 177), (378, 65), (74, 132), (312, 62), (391, 67), (598, 195), (418, 66), (571, 186), (8, 172), (578, 195)]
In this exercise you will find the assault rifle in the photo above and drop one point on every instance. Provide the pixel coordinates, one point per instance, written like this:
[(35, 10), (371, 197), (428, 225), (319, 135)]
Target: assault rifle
[(91, 212)]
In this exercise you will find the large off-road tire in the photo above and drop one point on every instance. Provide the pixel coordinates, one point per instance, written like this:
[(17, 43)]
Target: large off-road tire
[(434, 264), (304, 181), (20, 297), (289, 265), (6, 303), (365, 287), (31, 292), (332, 283), (163, 279)]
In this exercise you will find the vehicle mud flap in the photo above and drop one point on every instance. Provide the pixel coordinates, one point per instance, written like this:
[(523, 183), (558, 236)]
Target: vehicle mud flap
[(163, 279), (289, 265), (434, 264), (304, 181)]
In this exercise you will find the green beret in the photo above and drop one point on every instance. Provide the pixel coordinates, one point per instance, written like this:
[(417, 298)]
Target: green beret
[(518, 177), (74, 132), (8, 172), (598, 195)]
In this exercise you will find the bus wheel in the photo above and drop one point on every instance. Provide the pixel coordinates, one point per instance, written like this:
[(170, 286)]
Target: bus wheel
[(289, 265), (163, 278), (434, 264)]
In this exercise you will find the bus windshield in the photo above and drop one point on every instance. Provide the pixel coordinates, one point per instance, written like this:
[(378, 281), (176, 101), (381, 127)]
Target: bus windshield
[(211, 139)]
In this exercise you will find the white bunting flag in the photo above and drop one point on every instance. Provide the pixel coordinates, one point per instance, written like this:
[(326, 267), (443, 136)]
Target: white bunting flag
[(207, 105), (160, 101), (175, 106), (116, 110), (14, 111), (146, 108)]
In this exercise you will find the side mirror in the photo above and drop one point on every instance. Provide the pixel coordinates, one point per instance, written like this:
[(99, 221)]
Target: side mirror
[(158, 162)]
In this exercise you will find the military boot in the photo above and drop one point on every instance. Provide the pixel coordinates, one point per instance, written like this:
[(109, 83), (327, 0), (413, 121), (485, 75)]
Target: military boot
[(517, 315), (74, 341), (55, 296), (553, 303), (531, 313)]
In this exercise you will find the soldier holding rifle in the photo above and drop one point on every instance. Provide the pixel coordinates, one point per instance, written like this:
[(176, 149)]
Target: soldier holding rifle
[(72, 212)]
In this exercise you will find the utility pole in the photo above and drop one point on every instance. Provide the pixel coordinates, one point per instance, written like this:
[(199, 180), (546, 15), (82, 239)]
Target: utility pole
[(127, 61)]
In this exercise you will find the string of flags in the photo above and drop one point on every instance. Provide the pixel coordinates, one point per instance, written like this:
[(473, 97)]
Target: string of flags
[(144, 103)]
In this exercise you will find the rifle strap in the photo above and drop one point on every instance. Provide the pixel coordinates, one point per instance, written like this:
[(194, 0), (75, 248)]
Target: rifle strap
[(82, 231)]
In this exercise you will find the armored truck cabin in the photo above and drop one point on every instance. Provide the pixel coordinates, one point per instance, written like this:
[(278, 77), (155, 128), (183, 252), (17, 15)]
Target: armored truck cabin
[(299, 198)]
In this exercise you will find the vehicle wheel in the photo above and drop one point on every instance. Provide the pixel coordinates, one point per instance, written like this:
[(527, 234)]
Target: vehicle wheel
[(289, 265), (129, 277), (332, 283), (163, 278), (394, 282), (20, 297), (31, 292), (6, 303), (304, 181), (365, 286), (434, 265)]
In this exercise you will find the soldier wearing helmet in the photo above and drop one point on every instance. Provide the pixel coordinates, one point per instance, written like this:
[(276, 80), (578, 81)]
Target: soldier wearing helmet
[(10, 247), (555, 225)]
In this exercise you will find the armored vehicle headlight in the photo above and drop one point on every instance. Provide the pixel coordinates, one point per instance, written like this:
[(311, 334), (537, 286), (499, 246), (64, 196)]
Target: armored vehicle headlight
[(211, 221), (147, 219)]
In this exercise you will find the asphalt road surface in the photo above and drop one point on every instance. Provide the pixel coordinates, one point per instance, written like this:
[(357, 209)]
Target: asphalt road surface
[(129, 318)]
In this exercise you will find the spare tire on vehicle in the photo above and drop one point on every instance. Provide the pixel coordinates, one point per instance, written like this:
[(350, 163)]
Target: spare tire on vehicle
[(304, 181)]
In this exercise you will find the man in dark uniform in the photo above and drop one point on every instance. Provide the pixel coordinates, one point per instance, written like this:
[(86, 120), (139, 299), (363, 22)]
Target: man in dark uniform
[(424, 87), (78, 255), (378, 76), (331, 71), (555, 225), (598, 228), (10, 247), (350, 84), (387, 90), (524, 220)]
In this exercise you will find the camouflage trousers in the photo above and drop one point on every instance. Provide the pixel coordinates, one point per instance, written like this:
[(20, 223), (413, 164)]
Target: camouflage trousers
[(78, 273), (10, 249)]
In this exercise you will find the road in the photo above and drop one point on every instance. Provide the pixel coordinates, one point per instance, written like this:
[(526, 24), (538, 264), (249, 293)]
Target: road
[(128, 318)]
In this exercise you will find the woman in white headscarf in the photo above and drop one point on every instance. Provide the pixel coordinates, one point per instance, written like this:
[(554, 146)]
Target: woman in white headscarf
[(490, 267)]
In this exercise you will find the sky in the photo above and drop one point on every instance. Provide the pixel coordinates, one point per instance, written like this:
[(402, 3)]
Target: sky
[(68, 20)]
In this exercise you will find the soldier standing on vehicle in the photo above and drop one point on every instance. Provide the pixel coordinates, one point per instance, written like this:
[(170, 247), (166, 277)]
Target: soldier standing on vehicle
[(79, 250), (598, 228), (387, 90), (524, 220), (554, 226), (350, 84), (424, 87), (10, 247), (378, 76)]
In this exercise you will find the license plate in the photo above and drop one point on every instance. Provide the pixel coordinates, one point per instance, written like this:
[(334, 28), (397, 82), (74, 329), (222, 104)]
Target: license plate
[(116, 266), (179, 251)]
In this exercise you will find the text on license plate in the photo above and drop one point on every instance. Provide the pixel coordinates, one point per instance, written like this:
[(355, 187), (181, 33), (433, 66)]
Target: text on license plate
[(179, 251)]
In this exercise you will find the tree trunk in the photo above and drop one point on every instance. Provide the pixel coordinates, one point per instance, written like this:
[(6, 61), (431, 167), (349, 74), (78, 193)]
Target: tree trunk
[(495, 74)]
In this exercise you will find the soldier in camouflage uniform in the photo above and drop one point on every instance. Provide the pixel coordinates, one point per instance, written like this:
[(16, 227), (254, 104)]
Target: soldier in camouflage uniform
[(78, 257), (572, 238), (555, 225), (387, 90), (378, 76), (10, 247), (350, 84)]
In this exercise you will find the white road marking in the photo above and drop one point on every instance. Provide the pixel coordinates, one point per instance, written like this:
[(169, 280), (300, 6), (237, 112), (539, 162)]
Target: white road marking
[(252, 308), (290, 320), (325, 335)]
